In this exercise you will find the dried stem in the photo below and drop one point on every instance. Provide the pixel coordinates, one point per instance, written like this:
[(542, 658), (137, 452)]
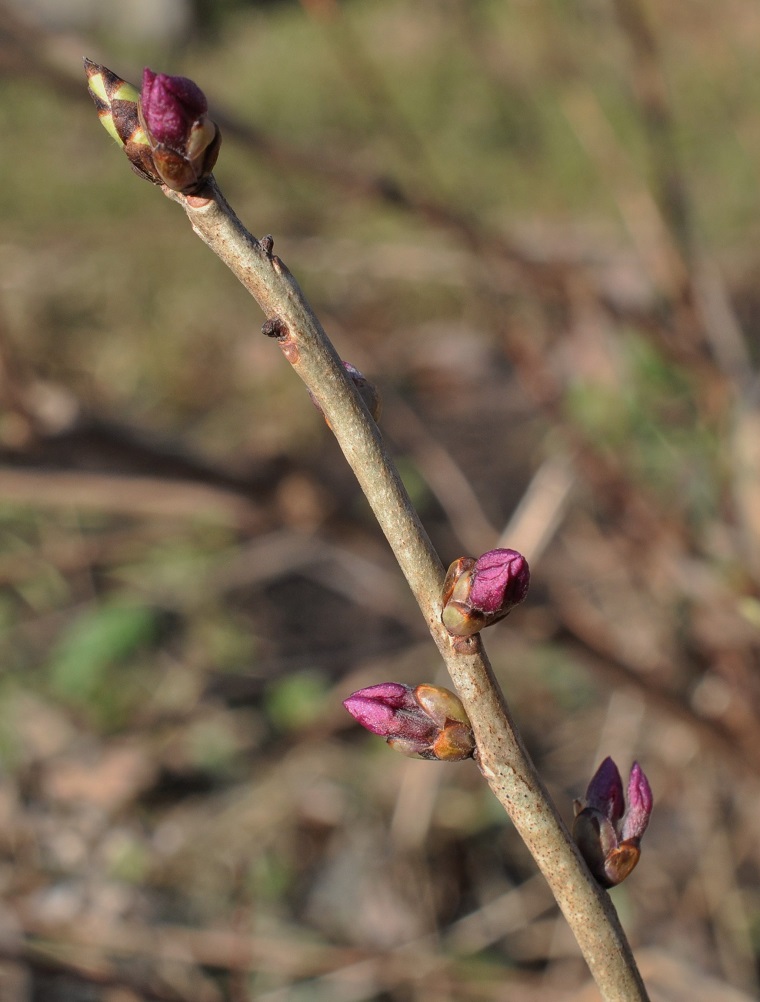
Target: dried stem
[(502, 756)]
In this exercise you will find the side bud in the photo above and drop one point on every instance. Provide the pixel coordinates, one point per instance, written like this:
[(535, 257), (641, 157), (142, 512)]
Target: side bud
[(424, 721), (367, 391), (183, 140), (478, 593), (607, 833), (116, 102)]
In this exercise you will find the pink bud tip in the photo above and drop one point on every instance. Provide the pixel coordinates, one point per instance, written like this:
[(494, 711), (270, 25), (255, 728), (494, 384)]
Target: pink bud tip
[(500, 581), (377, 707), (393, 694), (640, 802), (170, 107)]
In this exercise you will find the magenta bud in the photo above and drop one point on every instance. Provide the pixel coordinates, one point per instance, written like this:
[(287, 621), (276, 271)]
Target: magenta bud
[(478, 593), (379, 708), (425, 722), (171, 106), (184, 141), (640, 803), (499, 582), (606, 832)]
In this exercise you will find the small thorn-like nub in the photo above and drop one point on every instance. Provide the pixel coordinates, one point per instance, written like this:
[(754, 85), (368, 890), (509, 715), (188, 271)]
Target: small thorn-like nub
[(275, 327)]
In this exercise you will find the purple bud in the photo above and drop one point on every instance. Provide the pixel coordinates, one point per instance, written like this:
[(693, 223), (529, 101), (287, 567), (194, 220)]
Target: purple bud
[(605, 791), (171, 106), (184, 142), (390, 710), (640, 803), (477, 593), (608, 834), (500, 581), (427, 721)]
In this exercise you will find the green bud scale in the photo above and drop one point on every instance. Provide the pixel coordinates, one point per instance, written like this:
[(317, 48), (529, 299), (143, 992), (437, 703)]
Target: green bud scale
[(117, 104)]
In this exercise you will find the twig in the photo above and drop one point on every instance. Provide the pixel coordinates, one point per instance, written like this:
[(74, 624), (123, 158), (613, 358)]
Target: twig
[(503, 758), (581, 633), (37, 956), (443, 475), (132, 495), (651, 93)]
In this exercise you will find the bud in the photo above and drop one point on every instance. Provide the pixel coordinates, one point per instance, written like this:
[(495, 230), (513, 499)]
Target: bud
[(477, 593), (607, 834), (424, 722), (184, 141), (367, 391), (117, 105)]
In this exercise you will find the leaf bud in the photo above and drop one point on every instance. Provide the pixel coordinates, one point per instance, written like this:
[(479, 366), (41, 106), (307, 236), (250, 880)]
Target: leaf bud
[(117, 102)]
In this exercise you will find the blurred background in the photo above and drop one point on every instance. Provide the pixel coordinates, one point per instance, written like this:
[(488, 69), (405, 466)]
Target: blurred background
[(535, 226)]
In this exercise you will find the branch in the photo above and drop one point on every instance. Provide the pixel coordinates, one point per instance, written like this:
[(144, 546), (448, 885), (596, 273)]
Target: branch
[(503, 759)]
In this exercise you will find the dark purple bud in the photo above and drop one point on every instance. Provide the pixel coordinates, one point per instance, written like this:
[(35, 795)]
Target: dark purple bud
[(184, 141), (424, 722), (605, 791), (608, 834), (171, 107), (477, 593)]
